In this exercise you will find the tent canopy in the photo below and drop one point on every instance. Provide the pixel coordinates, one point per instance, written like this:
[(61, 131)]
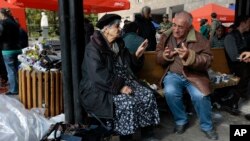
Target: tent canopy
[(17, 12), (225, 15), (90, 6)]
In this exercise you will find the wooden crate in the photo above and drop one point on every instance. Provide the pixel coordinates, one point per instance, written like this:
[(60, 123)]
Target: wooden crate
[(41, 90)]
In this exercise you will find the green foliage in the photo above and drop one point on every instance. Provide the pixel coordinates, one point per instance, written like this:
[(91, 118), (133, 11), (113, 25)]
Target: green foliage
[(92, 17), (33, 22)]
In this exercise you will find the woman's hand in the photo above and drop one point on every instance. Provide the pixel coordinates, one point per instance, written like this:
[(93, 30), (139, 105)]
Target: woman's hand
[(126, 90), (140, 51)]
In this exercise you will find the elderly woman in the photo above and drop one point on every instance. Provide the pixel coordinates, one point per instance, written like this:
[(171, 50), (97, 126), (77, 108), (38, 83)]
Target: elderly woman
[(108, 87)]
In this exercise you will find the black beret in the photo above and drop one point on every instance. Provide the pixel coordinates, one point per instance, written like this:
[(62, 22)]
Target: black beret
[(107, 19)]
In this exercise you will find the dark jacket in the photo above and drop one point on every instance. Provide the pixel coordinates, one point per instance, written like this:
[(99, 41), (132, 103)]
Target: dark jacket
[(147, 31), (99, 82), (9, 35), (235, 44), (23, 38), (199, 59)]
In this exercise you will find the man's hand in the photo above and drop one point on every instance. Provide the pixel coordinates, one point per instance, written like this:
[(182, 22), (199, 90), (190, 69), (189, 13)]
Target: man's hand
[(245, 57), (141, 49), (126, 90), (168, 53), (183, 52)]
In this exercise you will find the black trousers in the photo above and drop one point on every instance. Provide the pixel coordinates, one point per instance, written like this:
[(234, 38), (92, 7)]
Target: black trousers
[(242, 70)]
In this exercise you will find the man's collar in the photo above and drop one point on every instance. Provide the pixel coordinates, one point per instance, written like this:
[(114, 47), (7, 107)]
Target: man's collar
[(191, 37)]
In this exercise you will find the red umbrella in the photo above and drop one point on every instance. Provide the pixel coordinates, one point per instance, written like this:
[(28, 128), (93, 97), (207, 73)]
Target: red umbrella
[(100, 6), (225, 15), (90, 6), (17, 12)]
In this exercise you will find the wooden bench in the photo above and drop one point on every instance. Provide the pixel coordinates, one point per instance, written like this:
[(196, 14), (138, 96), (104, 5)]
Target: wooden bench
[(152, 72)]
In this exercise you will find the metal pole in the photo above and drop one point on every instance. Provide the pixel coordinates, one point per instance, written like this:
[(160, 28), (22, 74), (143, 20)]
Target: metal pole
[(76, 43), (66, 60)]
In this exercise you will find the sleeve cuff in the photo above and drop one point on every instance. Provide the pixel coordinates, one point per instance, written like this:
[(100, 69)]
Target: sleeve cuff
[(168, 59), (190, 60), (117, 85)]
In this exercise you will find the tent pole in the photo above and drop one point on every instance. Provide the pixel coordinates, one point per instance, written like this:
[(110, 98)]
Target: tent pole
[(66, 60), (76, 40)]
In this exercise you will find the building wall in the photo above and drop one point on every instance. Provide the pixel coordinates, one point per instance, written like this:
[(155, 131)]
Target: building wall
[(158, 6)]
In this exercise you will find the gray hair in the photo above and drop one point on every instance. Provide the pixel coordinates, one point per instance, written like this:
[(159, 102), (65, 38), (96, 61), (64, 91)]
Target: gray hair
[(146, 9), (188, 17)]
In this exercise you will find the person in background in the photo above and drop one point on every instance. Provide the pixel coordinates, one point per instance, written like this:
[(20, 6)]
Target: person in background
[(231, 28), (10, 48), (245, 57), (131, 38), (23, 36), (108, 87), (185, 54), (204, 28), (214, 24), (124, 23), (44, 25), (88, 30), (166, 24), (3, 72), (235, 44), (146, 27), (217, 41)]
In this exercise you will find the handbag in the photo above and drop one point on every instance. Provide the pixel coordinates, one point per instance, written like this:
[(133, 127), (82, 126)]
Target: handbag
[(79, 132)]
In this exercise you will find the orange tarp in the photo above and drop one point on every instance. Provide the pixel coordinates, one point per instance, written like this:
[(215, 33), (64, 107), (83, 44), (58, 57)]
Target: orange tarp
[(17, 12), (90, 6), (225, 15)]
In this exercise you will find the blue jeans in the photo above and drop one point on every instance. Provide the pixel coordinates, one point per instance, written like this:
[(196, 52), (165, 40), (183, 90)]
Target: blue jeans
[(11, 64), (174, 85)]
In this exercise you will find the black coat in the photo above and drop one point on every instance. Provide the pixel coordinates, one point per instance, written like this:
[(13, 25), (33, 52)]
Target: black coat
[(99, 82), (147, 31), (9, 35)]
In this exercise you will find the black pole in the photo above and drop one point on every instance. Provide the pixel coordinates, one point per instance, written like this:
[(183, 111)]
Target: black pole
[(76, 40), (66, 60)]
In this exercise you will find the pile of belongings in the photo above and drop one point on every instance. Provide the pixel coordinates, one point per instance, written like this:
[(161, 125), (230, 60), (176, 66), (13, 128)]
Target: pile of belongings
[(40, 57), (217, 77)]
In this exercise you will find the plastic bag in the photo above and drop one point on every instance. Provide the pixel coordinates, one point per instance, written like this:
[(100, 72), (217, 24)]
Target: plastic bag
[(19, 124)]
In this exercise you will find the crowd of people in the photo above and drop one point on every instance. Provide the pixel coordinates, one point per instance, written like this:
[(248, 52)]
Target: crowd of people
[(109, 87), (115, 55)]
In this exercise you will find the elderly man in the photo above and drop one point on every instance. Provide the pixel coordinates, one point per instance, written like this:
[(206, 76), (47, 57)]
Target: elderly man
[(186, 56)]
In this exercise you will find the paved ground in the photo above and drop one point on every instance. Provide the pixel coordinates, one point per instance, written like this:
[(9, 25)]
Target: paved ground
[(222, 120)]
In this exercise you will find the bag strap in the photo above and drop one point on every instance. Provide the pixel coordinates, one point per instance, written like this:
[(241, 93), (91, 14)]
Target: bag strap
[(54, 128), (98, 119)]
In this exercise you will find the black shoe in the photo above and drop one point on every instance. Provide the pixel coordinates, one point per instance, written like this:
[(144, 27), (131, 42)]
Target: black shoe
[(233, 111), (211, 134), (10, 93), (247, 116), (180, 129), (126, 138)]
